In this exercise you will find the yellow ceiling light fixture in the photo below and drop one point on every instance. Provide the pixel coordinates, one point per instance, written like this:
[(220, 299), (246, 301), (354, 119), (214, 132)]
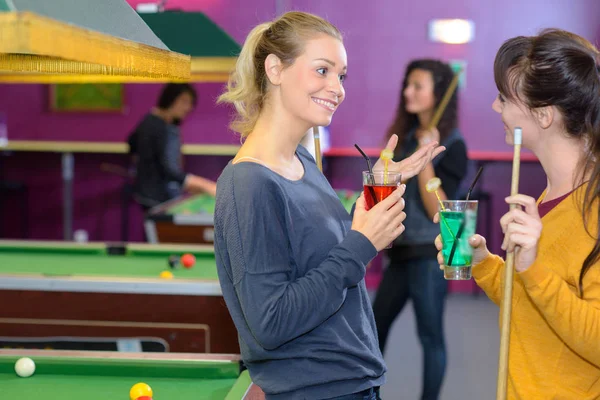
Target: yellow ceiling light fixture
[(72, 41)]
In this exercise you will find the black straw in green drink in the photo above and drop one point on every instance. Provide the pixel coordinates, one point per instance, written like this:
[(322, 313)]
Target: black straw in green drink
[(479, 171), (462, 224)]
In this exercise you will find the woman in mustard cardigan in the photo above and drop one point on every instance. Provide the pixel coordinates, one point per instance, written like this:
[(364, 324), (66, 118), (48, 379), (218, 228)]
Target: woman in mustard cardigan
[(550, 87)]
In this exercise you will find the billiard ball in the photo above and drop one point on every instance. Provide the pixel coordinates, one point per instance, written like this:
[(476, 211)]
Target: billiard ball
[(144, 398), (139, 390), (188, 260), (166, 275), (25, 367), (173, 262)]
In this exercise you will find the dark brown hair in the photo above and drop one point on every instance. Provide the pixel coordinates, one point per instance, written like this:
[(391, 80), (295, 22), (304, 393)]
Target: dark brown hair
[(404, 121), (560, 69)]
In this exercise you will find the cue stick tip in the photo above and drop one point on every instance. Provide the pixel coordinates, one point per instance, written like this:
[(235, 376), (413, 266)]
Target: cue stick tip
[(518, 135)]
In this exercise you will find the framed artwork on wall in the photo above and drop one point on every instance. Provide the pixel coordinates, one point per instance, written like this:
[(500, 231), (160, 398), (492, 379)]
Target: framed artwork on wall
[(87, 97)]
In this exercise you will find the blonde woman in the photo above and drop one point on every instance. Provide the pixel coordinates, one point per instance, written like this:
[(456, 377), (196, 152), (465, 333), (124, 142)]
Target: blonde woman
[(291, 260)]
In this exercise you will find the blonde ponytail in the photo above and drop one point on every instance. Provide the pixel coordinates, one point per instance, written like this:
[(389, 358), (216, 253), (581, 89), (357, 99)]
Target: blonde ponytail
[(242, 89), (285, 38)]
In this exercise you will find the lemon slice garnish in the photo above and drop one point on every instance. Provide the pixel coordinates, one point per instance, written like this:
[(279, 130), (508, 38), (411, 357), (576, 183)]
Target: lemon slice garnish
[(387, 154), (433, 184)]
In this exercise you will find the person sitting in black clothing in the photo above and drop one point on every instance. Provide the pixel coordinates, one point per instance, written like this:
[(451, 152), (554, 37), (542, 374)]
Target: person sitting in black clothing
[(155, 145)]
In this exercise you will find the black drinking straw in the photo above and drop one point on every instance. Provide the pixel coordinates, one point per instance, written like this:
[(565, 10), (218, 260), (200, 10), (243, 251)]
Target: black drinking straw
[(474, 181), (371, 177), (462, 224)]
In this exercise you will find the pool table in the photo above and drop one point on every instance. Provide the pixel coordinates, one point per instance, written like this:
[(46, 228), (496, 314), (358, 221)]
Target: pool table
[(73, 375), (189, 219), (100, 291)]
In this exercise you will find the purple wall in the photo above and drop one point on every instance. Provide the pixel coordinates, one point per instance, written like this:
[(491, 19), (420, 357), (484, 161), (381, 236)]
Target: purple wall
[(380, 38), (380, 41), (31, 118)]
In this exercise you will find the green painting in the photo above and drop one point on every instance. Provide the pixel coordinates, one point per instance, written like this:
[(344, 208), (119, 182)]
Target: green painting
[(87, 97), (460, 65)]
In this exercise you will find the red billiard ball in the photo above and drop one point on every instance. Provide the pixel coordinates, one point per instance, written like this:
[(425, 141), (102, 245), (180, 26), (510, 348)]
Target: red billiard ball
[(144, 398), (188, 260)]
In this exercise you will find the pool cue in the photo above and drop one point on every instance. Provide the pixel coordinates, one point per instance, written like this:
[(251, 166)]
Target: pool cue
[(315, 130), (442, 107), (508, 280)]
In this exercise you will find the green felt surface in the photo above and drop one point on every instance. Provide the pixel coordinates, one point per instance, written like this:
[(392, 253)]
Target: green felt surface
[(348, 198), (206, 204), (194, 205), (81, 260), (67, 378)]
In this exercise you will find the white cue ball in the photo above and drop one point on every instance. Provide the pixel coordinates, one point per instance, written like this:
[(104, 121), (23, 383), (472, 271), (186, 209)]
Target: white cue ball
[(25, 367)]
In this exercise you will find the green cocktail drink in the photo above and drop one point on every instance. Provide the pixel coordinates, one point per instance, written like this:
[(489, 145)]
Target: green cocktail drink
[(458, 220)]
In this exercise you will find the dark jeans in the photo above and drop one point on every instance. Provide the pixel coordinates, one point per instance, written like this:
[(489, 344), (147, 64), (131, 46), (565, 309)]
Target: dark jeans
[(370, 394), (421, 281)]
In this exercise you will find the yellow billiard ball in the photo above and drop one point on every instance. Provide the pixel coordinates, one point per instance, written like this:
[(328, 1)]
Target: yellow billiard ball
[(166, 275), (139, 390)]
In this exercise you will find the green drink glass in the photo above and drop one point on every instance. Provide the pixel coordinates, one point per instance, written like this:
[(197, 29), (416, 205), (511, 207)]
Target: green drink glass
[(458, 220)]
